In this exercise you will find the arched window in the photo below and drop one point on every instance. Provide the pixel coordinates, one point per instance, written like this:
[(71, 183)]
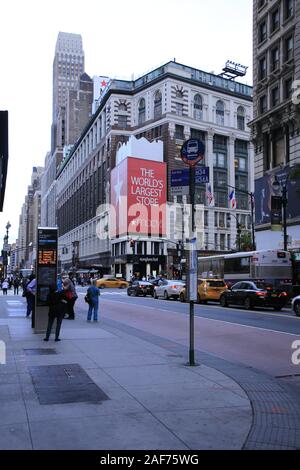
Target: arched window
[(142, 111), (198, 107), (122, 107), (220, 113), (157, 105), (241, 118)]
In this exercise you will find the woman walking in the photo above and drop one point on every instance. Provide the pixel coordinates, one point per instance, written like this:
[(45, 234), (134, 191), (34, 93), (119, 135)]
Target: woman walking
[(93, 297)]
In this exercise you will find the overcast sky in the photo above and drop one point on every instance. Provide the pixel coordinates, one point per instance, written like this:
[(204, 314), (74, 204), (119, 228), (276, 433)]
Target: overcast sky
[(120, 38)]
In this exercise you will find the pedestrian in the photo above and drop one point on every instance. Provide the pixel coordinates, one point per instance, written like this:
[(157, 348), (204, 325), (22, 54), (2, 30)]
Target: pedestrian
[(16, 286), (5, 286), (72, 296), (30, 295), (93, 297), (57, 308)]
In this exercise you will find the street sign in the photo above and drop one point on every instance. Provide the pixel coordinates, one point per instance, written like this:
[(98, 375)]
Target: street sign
[(180, 190), (202, 175), (182, 177), (192, 271), (192, 151), (6, 247)]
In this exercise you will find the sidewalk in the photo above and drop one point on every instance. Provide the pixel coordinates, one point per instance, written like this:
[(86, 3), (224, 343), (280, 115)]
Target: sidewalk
[(108, 386)]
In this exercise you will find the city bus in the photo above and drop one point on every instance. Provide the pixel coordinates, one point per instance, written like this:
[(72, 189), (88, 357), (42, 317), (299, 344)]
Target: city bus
[(273, 266)]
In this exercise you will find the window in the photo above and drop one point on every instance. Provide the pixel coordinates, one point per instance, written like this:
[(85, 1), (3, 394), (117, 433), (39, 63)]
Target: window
[(288, 88), (157, 105), (222, 241), (228, 242), (274, 59), (220, 143), (278, 147), (122, 121), (206, 218), (122, 107), (288, 8), (179, 109), (288, 48), (222, 219), (198, 107), (262, 68), (221, 198), (240, 164), (179, 94), (179, 132), (241, 118), (241, 182), (263, 104), (275, 20), (216, 219), (220, 113), (220, 160), (261, 3), (142, 111), (275, 96), (197, 134), (262, 31)]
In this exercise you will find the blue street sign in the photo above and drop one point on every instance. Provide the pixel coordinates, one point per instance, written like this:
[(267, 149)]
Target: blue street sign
[(202, 175), (192, 151), (182, 177)]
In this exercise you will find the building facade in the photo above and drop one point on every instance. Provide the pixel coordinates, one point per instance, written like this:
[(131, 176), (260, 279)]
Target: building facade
[(170, 104), (276, 123)]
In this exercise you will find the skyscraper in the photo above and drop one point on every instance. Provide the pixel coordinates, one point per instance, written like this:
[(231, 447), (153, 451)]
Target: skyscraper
[(68, 65)]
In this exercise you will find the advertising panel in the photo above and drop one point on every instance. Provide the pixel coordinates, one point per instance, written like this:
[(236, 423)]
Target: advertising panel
[(264, 190), (276, 213), (138, 194)]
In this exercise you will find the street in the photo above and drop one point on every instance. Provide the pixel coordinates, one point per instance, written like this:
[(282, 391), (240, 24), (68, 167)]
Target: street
[(260, 339)]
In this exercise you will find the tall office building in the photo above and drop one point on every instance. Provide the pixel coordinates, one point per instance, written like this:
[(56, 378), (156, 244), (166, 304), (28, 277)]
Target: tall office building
[(68, 66), (276, 123)]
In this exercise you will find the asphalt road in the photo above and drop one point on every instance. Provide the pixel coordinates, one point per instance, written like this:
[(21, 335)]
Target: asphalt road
[(258, 338)]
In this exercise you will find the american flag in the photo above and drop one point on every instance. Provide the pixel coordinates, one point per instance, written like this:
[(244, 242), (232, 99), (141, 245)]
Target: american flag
[(209, 194)]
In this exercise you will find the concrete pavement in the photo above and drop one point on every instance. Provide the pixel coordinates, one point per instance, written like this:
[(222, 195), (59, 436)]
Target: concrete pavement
[(107, 386)]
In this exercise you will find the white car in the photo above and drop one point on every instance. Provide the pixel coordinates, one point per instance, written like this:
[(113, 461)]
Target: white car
[(296, 305), (168, 289)]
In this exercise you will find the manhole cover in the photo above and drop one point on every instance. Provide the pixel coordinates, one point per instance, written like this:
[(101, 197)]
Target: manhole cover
[(65, 383), (38, 351)]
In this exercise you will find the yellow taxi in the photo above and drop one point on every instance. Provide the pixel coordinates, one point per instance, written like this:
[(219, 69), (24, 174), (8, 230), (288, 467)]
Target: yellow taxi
[(111, 282), (208, 289)]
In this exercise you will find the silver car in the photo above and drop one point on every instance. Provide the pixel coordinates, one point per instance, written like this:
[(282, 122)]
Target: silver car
[(168, 289), (296, 305)]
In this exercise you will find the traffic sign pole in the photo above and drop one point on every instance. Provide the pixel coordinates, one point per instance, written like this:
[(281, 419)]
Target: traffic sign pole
[(192, 316)]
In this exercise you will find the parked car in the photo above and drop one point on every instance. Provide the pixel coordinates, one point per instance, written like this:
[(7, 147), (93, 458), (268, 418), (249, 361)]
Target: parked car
[(111, 282), (140, 288), (296, 305), (168, 288), (208, 289), (254, 294)]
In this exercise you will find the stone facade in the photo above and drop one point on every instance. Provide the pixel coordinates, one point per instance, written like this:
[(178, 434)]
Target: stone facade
[(171, 104)]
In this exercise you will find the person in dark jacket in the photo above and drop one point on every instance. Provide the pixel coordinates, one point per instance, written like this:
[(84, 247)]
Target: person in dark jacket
[(57, 308), (93, 296)]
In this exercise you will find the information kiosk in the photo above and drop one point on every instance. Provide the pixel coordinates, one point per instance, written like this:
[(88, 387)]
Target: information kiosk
[(46, 274)]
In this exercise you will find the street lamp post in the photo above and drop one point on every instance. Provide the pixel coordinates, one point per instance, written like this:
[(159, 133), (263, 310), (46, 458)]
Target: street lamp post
[(276, 185)]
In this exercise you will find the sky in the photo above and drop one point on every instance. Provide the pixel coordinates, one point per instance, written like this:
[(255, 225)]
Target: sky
[(120, 38)]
